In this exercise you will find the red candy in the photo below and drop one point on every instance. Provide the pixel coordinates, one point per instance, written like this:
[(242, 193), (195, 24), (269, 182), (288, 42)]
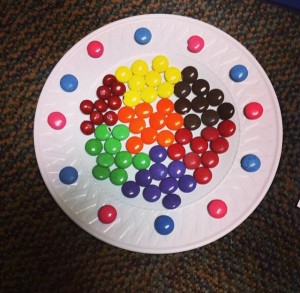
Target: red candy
[(217, 208), (253, 110), (226, 128), (96, 117), (118, 88), (202, 175), (114, 102), (107, 214), (101, 105), (176, 151), (87, 127), (95, 49), (183, 136), (210, 133), (192, 161), (219, 145), (109, 80), (110, 118), (86, 106), (198, 145), (210, 159), (103, 92)]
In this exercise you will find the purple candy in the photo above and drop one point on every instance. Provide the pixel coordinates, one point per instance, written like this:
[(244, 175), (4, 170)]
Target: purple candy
[(158, 154), (168, 185), (187, 183), (151, 193), (171, 201), (176, 169), (143, 177), (158, 171), (130, 189)]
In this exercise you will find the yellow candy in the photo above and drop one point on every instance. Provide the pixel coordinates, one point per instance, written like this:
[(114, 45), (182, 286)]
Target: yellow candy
[(139, 68), (173, 75), (132, 98), (136, 83), (123, 74), (165, 90), (149, 94), (160, 63), (153, 78)]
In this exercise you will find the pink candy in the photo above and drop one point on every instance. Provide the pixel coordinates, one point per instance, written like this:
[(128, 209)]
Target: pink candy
[(57, 120), (195, 44), (217, 208), (253, 110), (95, 49)]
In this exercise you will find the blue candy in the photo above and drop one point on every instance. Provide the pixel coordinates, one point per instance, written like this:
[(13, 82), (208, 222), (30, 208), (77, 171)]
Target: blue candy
[(143, 177), (238, 73), (168, 185), (68, 175), (142, 36), (187, 183), (250, 163), (69, 83), (176, 169), (171, 201), (130, 189), (151, 193), (164, 225), (158, 171), (158, 154)]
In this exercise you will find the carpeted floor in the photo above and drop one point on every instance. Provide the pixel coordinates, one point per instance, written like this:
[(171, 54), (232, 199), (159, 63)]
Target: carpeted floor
[(42, 250)]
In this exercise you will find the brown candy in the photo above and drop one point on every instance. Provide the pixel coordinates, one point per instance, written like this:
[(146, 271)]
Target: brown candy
[(199, 104), (200, 87), (189, 74), (192, 121), (225, 111), (215, 97), (182, 89), (182, 106), (210, 117)]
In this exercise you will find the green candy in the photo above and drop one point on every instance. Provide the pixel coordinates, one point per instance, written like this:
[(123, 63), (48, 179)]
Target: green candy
[(112, 146), (118, 176), (120, 132), (102, 132), (141, 161), (100, 173), (123, 159), (93, 147), (105, 160)]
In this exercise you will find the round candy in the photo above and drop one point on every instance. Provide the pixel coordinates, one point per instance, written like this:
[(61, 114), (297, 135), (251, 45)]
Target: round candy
[(118, 176), (102, 132), (250, 163), (93, 147), (160, 63), (200, 87), (136, 125), (165, 138), (151, 193), (141, 161), (176, 151), (114, 102), (210, 133), (118, 88), (86, 106), (215, 97), (165, 106), (136, 83), (253, 110), (202, 175), (217, 208), (100, 105), (69, 83), (226, 128), (168, 185), (112, 146), (183, 136), (192, 121), (120, 132), (157, 120), (158, 153), (210, 159), (148, 94), (198, 145), (183, 106), (132, 98), (105, 160), (139, 68), (176, 169), (143, 177), (189, 74), (171, 201), (95, 49), (172, 75), (174, 121), (210, 117), (107, 214), (68, 175), (238, 73), (187, 183), (96, 117), (219, 145), (110, 118), (123, 159), (182, 89), (103, 92), (126, 114), (165, 90), (158, 171), (153, 79), (199, 104), (195, 44), (100, 172), (149, 135), (57, 120), (87, 127), (142, 36), (143, 110), (164, 225), (109, 80), (225, 111), (192, 161), (130, 189)]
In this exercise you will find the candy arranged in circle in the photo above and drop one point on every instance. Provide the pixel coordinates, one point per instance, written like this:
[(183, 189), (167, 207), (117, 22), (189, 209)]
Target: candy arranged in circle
[(107, 214), (57, 120), (195, 44), (217, 208), (68, 175), (253, 110), (164, 225), (69, 83), (238, 73), (142, 36), (95, 49), (250, 163)]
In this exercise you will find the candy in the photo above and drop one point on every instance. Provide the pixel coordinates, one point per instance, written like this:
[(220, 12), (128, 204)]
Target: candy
[(253, 110), (118, 88), (114, 102), (238, 73), (136, 125), (110, 118), (210, 133), (93, 147), (132, 98), (105, 160), (149, 135), (192, 121), (142, 36), (102, 132), (139, 68), (143, 177), (202, 175), (210, 117), (100, 172), (141, 161), (87, 127), (217, 208), (143, 110), (164, 225), (250, 163), (174, 121), (183, 136), (176, 169), (189, 74), (158, 171), (226, 128), (95, 49), (219, 145), (192, 161), (112, 146), (172, 75), (126, 114), (165, 90), (103, 92), (215, 97), (130, 189), (225, 111), (165, 138), (165, 106), (100, 105), (109, 80), (158, 153), (148, 94), (210, 159), (123, 159), (200, 87), (96, 117), (160, 63), (198, 145), (199, 104), (69, 83), (118, 176), (86, 107), (176, 151), (151, 193), (68, 175), (120, 132), (182, 89), (107, 214), (57, 120), (168, 185), (123, 74), (171, 201), (157, 120), (195, 44), (187, 183), (136, 83), (153, 79)]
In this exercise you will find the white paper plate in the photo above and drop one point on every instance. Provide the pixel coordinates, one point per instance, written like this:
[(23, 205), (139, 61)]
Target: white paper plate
[(133, 228)]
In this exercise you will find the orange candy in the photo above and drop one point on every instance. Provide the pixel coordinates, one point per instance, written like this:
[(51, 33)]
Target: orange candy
[(149, 135), (165, 106), (157, 120), (136, 125), (126, 114), (143, 110), (134, 144), (174, 121), (165, 138)]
